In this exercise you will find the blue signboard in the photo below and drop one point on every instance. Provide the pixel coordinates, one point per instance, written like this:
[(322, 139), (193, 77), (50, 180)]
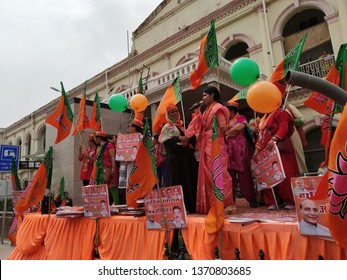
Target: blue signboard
[(7, 152)]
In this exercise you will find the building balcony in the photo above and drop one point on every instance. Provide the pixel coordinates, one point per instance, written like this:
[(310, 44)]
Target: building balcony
[(319, 67)]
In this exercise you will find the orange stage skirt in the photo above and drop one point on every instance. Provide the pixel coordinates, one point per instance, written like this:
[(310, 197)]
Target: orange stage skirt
[(46, 237)]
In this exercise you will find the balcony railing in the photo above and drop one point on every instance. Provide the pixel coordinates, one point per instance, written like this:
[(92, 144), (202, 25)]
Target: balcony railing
[(319, 67), (163, 80)]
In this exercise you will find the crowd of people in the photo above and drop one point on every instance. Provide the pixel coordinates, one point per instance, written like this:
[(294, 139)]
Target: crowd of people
[(183, 154)]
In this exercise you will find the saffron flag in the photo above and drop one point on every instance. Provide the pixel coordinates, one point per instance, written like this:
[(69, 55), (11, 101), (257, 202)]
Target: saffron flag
[(337, 208), (290, 62), (95, 119), (82, 121), (41, 181), (62, 117), (325, 105), (14, 177), (215, 217), (171, 95), (143, 176), (337, 76), (208, 57)]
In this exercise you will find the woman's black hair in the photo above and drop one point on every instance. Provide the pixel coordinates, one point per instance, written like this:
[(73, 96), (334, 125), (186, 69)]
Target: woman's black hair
[(138, 129), (232, 108), (213, 91)]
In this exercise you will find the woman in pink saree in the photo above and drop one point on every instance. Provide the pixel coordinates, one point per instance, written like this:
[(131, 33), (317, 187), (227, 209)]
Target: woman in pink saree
[(201, 126)]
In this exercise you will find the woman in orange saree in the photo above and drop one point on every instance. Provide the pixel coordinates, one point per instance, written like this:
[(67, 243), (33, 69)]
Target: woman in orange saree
[(201, 126)]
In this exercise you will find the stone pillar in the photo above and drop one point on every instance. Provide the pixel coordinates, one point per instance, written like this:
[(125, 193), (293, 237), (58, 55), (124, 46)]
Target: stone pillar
[(166, 57), (342, 8), (337, 33)]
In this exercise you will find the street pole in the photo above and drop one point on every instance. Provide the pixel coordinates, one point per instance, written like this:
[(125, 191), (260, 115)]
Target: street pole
[(4, 214)]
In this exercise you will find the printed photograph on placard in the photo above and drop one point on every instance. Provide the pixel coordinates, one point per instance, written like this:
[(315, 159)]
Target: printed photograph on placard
[(311, 212), (127, 146), (267, 168), (95, 201), (165, 208)]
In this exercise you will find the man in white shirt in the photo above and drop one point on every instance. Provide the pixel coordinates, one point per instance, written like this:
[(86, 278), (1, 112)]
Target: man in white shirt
[(178, 222), (299, 187), (309, 223), (151, 223)]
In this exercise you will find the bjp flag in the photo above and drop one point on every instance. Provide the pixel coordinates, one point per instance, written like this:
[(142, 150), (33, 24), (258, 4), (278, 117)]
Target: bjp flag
[(143, 176), (290, 62), (215, 217), (208, 57), (95, 119), (337, 209), (62, 117), (82, 121), (172, 96), (40, 182), (14, 176), (327, 106)]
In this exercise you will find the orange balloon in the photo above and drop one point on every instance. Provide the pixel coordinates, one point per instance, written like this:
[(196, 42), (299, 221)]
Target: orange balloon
[(138, 102), (264, 97)]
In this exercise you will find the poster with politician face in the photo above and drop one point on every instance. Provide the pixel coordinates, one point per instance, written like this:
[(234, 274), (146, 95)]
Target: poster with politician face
[(95, 201), (165, 208), (311, 212)]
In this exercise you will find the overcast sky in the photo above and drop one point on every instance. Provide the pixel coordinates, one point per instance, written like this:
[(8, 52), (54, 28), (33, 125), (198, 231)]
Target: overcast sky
[(44, 42)]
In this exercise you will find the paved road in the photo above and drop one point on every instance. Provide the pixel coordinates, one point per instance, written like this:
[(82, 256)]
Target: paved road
[(5, 250)]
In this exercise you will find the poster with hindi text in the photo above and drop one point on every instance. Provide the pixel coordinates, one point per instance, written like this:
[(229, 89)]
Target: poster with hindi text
[(95, 201), (127, 146), (165, 209), (267, 168)]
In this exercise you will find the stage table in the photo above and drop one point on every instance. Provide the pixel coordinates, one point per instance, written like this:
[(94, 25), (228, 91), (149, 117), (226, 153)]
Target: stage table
[(279, 241), (48, 237)]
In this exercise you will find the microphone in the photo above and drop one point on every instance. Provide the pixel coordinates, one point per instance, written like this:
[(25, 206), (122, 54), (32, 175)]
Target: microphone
[(196, 105)]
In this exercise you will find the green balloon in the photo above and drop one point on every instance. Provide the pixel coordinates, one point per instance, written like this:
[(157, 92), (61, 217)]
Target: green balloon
[(244, 71), (118, 102)]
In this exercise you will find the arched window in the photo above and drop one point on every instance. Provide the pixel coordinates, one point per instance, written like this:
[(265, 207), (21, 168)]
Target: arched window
[(41, 140), (27, 144), (237, 50)]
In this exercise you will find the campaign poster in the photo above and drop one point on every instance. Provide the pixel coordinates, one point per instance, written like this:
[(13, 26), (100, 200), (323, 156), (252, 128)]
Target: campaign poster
[(311, 212), (165, 209), (267, 168), (127, 146), (95, 201)]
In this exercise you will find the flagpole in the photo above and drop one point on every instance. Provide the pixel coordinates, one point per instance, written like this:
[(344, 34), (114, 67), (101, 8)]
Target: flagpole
[(101, 121), (183, 115), (79, 133), (218, 77), (164, 217), (273, 193), (287, 95)]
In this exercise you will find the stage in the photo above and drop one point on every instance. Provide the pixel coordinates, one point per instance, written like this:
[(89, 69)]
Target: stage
[(46, 237)]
